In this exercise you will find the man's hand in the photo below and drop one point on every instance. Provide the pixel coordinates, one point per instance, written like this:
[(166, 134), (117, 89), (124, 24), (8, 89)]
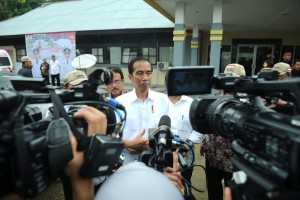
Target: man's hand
[(84, 188), (97, 120), (138, 144), (227, 194), (173, 174), (175, 177)]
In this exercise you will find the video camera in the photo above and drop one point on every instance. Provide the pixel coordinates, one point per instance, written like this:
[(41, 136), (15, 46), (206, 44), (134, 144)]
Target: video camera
[(34, 154), (265, 142)]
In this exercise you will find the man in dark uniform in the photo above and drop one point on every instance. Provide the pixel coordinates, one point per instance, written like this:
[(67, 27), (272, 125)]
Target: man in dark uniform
[(26, 67)]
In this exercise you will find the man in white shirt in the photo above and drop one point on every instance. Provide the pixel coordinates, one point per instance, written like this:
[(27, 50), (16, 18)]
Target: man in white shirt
[(54, 70), (179, 112), (144, 109)]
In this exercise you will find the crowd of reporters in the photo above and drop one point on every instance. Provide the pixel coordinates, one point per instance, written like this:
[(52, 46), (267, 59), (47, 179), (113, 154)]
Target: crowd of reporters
[(145, 107)]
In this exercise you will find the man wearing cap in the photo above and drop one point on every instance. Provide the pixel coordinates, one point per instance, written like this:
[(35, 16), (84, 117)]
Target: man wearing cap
[(55, 70), (66, 63), (283, 69), (26, 67), (280, 101), (218, 151), (74, 78)]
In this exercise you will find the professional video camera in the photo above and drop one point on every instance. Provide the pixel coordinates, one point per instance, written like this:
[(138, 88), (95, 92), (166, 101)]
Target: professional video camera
[(265, 142), (32, 155)]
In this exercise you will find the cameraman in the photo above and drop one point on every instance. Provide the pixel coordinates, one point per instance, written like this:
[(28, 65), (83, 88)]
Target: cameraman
[(281, 101), (83, 188), (218, 151), (97, 123)]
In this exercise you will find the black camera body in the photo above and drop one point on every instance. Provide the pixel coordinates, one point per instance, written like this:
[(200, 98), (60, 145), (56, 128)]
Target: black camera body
[(265, 142), (33, 154)]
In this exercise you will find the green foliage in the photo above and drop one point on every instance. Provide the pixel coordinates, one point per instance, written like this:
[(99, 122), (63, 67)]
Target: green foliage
[(12, 8)]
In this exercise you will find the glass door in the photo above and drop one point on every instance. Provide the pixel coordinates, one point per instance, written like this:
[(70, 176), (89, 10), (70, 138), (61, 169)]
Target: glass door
[(253, 56)]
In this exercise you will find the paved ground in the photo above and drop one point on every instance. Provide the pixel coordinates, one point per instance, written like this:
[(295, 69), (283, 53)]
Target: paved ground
[(55, 191)]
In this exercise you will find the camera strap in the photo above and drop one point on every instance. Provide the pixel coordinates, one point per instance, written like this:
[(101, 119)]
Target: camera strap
[(59, 111)]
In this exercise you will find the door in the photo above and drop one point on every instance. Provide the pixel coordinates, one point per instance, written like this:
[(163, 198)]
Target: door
[(253, 56)]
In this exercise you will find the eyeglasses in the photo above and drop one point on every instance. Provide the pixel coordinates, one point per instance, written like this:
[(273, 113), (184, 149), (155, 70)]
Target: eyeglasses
[(117, 82)]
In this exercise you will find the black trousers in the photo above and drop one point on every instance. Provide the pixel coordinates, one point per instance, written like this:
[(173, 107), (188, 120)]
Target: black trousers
[(214, 179), (53, 77), (46, 78)]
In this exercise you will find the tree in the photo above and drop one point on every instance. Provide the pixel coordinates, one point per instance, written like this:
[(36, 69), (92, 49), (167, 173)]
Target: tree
[(12, 8)]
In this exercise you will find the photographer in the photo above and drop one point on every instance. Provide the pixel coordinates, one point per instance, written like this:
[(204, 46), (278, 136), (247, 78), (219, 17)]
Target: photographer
[(83, 188)]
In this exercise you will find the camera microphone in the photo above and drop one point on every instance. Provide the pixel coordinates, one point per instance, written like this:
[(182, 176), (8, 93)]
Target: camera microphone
[(113, 103)]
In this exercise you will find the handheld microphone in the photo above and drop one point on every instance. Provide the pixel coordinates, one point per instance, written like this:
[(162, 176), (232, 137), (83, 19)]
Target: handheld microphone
[(163, 133), (78, 52)]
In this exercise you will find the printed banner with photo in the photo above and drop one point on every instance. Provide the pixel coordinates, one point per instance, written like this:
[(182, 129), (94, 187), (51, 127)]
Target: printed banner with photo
[(44, 45)]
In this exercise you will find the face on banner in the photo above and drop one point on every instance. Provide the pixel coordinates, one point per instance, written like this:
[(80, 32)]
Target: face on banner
[(62, 45)]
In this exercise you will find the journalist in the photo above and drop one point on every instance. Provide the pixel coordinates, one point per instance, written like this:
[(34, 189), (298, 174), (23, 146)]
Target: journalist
[(135, 181), (97, 124)]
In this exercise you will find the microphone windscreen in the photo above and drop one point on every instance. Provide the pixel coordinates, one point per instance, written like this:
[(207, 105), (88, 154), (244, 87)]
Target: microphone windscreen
[(165, 120)]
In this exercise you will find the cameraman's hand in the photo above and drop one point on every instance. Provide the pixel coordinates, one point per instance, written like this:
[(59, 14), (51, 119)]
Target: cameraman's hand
[(173, 174), (175, 177), (97, 122), (227, 194), (138, 144), (84, 188)]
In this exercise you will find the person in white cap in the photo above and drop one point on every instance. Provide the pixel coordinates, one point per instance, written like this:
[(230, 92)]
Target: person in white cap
[(26, 67), (284, 70), (218, 151), (74, 78)]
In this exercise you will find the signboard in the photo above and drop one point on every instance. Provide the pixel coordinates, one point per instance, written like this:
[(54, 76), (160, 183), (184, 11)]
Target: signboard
[(44, 45)]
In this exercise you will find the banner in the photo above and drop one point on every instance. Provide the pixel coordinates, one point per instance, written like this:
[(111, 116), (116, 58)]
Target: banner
[(44, 45)]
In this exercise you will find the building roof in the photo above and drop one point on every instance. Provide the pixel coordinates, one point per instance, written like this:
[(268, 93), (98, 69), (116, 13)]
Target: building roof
[(236, 15), (86, 15)]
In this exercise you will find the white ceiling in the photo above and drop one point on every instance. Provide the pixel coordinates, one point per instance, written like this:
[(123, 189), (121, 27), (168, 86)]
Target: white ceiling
[(241, 15)]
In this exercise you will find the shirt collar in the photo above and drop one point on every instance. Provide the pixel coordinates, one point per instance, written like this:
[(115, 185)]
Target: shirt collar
[(134, 97)]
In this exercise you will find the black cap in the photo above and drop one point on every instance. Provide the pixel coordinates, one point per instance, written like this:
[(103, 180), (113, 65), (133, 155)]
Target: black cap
[(67, 50)]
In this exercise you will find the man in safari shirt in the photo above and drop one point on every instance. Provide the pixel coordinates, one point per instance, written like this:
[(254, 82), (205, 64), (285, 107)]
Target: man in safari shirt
[(45, 70)]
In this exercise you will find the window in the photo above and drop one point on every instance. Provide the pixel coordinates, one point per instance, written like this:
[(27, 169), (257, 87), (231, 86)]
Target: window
[(114, 55), (98, 52), (129, 53), (20, 53), (166, 54), (150, 54)]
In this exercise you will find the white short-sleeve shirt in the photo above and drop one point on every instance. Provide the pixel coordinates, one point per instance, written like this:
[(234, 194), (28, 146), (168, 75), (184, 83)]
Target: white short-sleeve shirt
[(179, 114)]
